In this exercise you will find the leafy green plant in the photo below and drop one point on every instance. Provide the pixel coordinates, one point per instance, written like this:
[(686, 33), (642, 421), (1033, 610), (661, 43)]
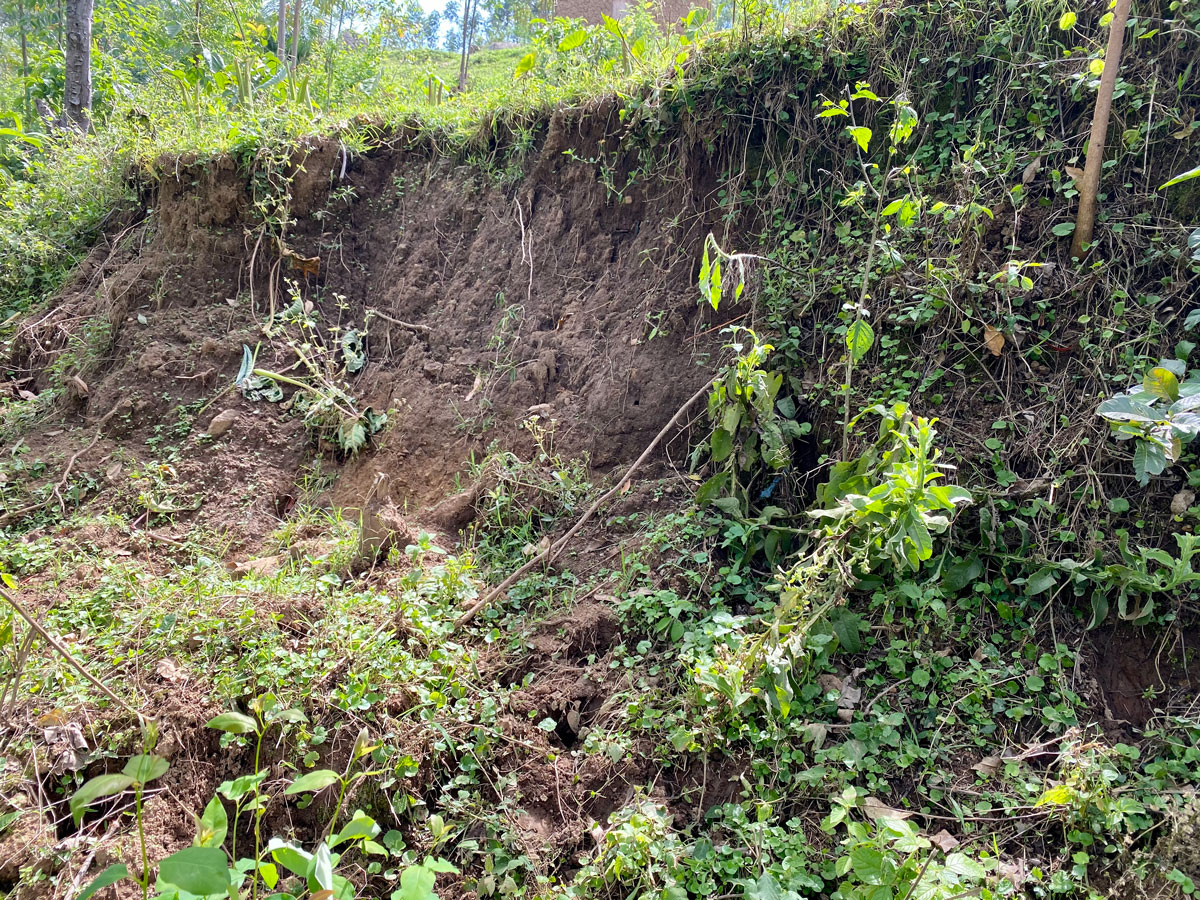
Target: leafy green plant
[(1143, 574), (139, 771), (752, 425), (891, 858), (204, 869), (888, 503), (1160, 417), (323, 395), (640, 856)]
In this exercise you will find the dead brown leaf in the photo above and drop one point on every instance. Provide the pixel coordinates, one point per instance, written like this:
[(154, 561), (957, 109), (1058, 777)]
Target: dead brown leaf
[(989, 765), (1031, 171), (944, 841), (169, 670), (993, 339), (877, 809)]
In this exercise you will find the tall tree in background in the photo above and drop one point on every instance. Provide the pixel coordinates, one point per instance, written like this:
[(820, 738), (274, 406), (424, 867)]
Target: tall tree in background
[(433, 27), (281, 31), (296, 5), (1089, 185), (465, 50), (24, 59), (450, 16), (77, 96)]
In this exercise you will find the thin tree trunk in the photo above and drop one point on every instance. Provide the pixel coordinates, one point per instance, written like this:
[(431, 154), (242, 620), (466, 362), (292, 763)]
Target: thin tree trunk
[(465, 50), (58, 31), (77, 95), (1089, 185), (281, 32), (296, 32), (24, 61)]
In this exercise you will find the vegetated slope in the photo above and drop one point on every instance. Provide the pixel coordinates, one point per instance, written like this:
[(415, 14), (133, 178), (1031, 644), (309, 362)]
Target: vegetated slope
[(551, 272)]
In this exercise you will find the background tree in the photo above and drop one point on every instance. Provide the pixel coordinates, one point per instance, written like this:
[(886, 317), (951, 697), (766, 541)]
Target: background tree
[(1089, 185), (469, 8), (77, 94), (281, 30), (451, 15), (297, 5)]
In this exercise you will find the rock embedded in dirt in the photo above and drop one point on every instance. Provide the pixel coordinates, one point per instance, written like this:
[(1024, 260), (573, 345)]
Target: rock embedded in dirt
[(222, 422), (263, 565), (1181, 501)]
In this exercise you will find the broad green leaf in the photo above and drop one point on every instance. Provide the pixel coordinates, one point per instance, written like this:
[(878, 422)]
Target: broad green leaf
[(96, 789), (714, 291), (572, 40), (846, 625), (528, 61), (440, 865), (611, 25), (1040, 582), (962, 573), (312, 782), (360, 826), (1162, 383), (1063, 229), (320, 873), (922, 540), (1124, 408), (867, 863), (862, 136), (242, 785), (111, 875), (145, 768), (722, 444), (832, 111), (291, 857), (197, 870), (269, 874), (1066, 21), (416, 883), (234, 723), (732, 418), (711, 489), (213, 825), (731, 506), (1149, 458), (859, 339), (1099, 609)]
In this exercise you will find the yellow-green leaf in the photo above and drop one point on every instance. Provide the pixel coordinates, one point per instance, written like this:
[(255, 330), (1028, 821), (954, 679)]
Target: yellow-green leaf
[(1056, 796), (1067, 21), (528, 61), (862, 136), (1162, 383), (572, 40)]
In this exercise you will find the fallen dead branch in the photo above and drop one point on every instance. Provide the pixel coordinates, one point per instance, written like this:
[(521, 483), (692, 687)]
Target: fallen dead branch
[(66, 654)]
